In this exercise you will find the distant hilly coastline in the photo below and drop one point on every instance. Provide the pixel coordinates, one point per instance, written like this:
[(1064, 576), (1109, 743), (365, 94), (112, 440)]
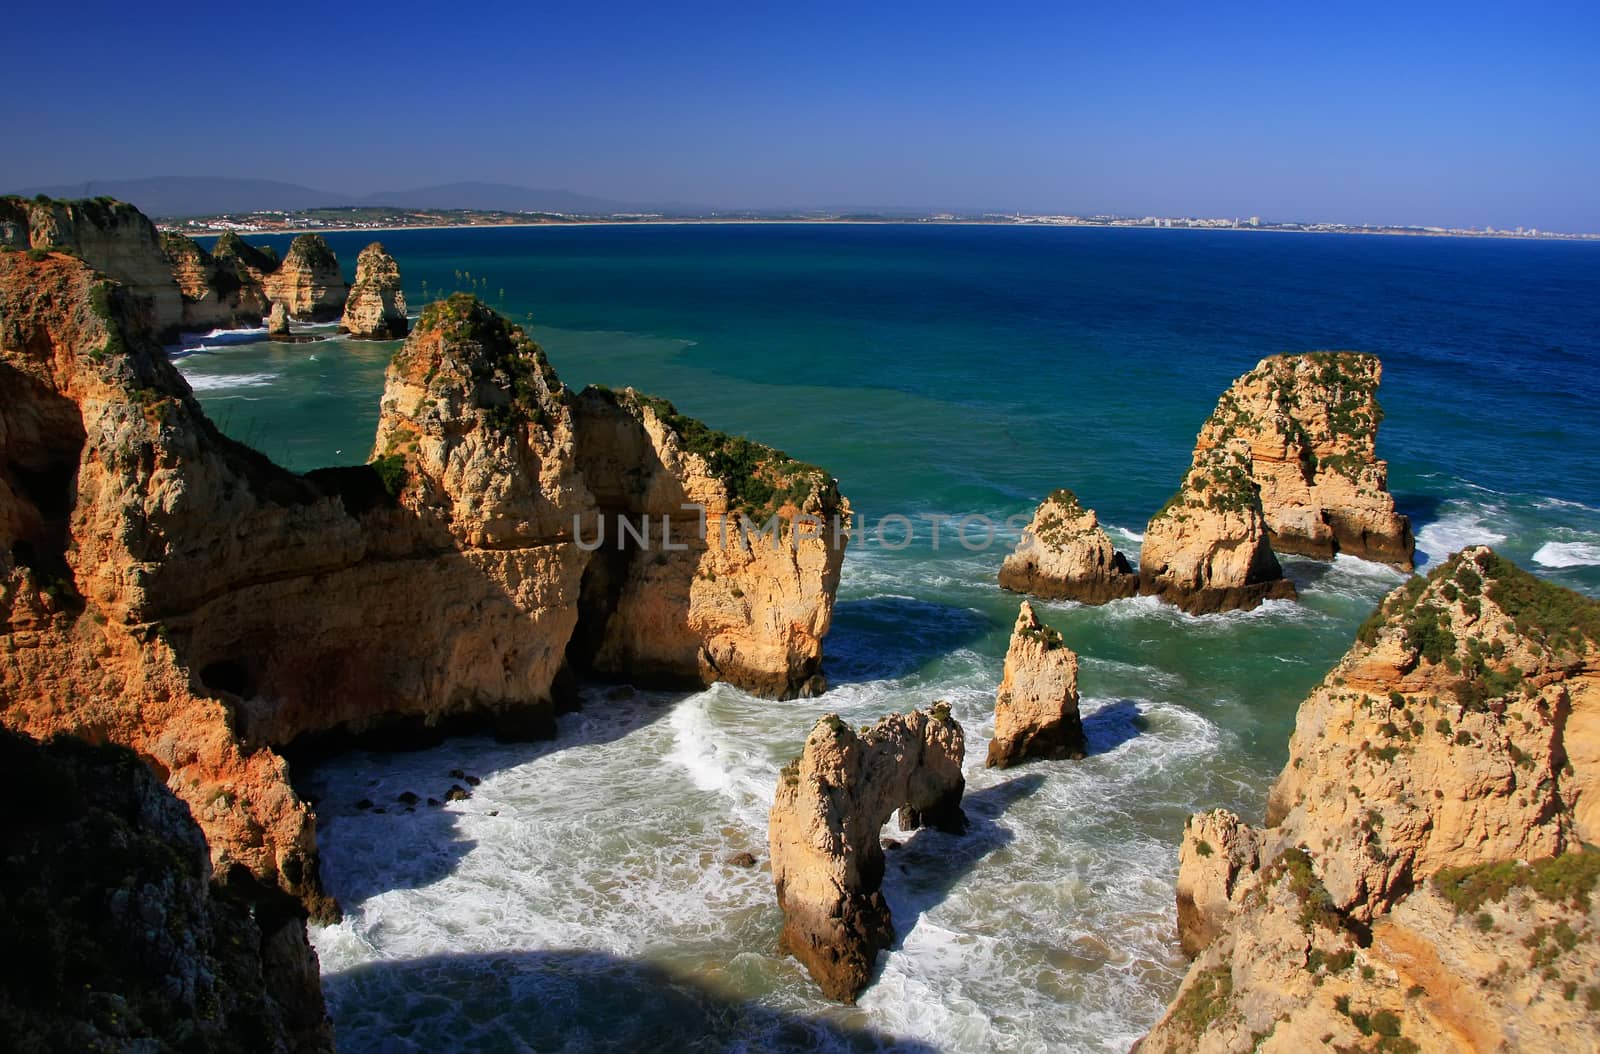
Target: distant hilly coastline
[(178, 197)]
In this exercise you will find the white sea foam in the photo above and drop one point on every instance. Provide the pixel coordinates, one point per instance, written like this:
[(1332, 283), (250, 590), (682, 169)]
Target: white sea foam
[(210, 382), (1568, 554), (1046, 927), (1461, 526)]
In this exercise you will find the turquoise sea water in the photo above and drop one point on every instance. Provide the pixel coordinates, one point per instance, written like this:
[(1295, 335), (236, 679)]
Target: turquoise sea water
[(581, 898)]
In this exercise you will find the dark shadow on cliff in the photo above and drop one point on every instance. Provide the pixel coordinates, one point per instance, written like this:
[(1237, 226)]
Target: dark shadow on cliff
[(921, 873), (358, 800), (885, 637), (567, 1000), (1112, 725)]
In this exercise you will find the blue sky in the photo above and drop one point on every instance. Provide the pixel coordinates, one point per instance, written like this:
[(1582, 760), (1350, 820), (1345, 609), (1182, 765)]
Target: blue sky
[(1457, 113)]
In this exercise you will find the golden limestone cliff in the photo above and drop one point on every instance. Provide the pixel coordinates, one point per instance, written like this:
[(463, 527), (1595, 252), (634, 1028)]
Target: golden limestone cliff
[(179, 286), (824, 829), (1066, 555), (1423, 882), (1207, 549), (308, 282), (376, 306), (166, 588), (755, 540), (218, 292), (1309, 424), (1036, 709), (113, 237)]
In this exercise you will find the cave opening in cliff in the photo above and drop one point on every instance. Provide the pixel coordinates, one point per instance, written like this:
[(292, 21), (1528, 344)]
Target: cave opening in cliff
[(41, 443), (599, 593)]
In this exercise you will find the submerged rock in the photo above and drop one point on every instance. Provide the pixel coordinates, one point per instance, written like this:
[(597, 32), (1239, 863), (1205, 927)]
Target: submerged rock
[(376, 306), (1424, 874), (1309, 425), (823, 834), (1036, 711), (1065, 555), (1207, 550)]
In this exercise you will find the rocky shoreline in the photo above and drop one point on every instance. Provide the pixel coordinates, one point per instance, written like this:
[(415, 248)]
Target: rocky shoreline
[(1421, 881)]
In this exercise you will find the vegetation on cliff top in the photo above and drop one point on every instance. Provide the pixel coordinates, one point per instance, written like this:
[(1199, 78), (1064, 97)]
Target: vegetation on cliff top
[(1569, 879), (760, 480), (311, 251), (260, 257), (497, 351), (1220, 481), (1342, 413), (1543, 612)]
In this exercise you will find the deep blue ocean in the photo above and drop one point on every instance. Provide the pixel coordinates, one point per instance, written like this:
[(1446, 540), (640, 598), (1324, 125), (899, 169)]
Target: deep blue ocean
[(936, 370)]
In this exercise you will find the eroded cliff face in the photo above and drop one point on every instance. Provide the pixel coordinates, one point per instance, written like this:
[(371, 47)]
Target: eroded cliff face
[(1065, 555), (119, 938), (1310, 424), (111, 236), (1036, 710), (718, 600), (166, 588), (823, 834), (1422, 883), (218, 292), (376, 306), (308, 282), (1208, 549)]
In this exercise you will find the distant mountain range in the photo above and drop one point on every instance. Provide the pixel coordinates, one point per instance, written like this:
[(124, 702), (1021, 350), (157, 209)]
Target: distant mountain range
[(175, 197)]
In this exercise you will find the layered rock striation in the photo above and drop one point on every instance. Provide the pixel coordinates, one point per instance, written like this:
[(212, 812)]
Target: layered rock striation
[(120, 939), (308, 282), (111, 236), (1066, 555), (376, 306), (171, 590), (824, 830), (1207, 550), (1309, 423), (1422, 883), (218, 292), (1036, 710)]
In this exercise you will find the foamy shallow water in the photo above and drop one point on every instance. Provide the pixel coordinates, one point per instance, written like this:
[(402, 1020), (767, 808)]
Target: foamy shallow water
[(583, 897)]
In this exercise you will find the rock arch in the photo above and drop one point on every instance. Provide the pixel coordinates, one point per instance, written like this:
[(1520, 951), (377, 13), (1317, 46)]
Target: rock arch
[(823, 834)]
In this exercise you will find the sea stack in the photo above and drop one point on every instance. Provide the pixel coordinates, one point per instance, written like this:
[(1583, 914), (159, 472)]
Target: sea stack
[(278, 322), (1423, 874), (376, 306), (1036, 711), (823, 834), (217, 292), (1207, 550), (257, 262), (1309, 423), (1065, 555), (308, 282)]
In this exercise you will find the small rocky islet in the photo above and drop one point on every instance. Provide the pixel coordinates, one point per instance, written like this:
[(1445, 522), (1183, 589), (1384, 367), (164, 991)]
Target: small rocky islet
[(1421, 880)]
